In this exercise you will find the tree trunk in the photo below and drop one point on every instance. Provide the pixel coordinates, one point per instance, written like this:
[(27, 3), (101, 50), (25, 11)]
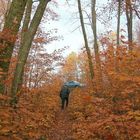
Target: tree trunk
[(96, 47), (24, 30), (24, 49), (9, 35), (129, 17), (118, 36), (86, 41), (118, 23)]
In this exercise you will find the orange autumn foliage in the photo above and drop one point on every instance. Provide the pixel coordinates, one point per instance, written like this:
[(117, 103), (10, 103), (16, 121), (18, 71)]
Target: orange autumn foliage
[(112, 114), (38, 116)]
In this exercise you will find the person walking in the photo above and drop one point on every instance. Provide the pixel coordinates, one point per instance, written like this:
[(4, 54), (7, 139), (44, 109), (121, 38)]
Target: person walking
[(64, 95)]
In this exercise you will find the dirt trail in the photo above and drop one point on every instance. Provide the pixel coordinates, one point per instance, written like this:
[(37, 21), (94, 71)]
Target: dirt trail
[(64, 122), (62, 130)]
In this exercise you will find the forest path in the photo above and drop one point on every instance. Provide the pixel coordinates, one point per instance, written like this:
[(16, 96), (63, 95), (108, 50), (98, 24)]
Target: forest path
[(65, 119), (62, 129), (38, 116)]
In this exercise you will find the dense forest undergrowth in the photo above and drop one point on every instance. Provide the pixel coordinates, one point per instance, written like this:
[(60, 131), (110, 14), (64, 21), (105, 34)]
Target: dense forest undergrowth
[(38, 116)]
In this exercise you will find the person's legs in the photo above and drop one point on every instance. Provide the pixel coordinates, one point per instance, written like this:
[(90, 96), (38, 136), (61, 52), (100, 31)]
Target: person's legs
[(63, 103), (67, 102)]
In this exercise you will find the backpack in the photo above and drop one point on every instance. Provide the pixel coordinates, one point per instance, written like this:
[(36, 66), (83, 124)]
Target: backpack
[(64, 93)]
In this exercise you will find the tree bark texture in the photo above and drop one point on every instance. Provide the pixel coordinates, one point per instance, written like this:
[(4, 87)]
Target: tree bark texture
[(129, 17), (9, 35)]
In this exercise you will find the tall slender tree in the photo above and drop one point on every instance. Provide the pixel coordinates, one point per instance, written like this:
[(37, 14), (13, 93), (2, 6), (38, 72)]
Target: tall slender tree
[(24, 30), (86, 41), (129, 17), (96, 47), (118, 35), (118, 22)]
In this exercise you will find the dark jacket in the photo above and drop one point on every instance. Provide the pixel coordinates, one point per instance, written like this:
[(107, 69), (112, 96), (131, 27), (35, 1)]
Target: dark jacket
[(64, 93)]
